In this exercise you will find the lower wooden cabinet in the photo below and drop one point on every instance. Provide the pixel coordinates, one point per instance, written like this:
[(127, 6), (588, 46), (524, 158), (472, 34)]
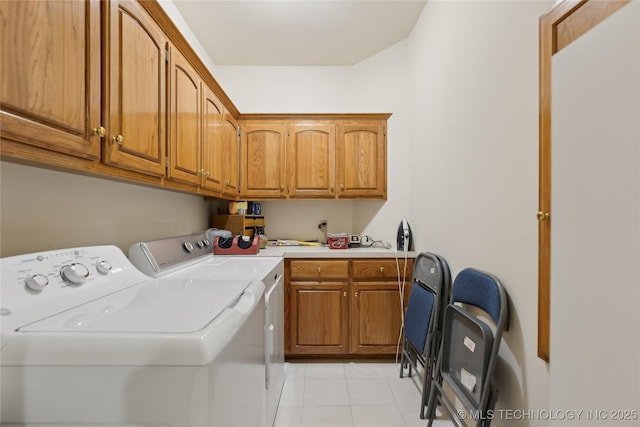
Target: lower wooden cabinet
[(344, 306), (320, 318), (375, 317)]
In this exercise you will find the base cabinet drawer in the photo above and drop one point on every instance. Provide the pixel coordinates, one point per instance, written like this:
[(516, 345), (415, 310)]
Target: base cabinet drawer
[(320, 269)]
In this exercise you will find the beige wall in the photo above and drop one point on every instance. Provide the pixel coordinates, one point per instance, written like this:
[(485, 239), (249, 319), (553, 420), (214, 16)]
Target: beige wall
[(474, 160), (595, 228), (42, 209)]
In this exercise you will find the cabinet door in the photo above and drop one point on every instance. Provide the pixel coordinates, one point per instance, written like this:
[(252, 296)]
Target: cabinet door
[(230, 156), (319, 318), (311, 160), (185, 140), (137, 90), (375, 317), (361, 160), (50, 68), (263, 160), (212, 141)]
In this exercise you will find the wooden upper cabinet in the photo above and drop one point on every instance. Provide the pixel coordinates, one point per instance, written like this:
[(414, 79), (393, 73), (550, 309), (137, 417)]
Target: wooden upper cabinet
[(361, 160), (112, 88), (311, 160), (185, 140), (263, 160), (212, 141), (50, 68), (136, 109), (325, 156), (231, 155)]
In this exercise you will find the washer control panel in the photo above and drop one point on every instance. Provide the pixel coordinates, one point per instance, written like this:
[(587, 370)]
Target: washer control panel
[(52, 281)]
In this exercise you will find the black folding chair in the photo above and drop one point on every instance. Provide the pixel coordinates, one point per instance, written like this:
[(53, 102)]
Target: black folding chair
[(469, 349), (423, 320)]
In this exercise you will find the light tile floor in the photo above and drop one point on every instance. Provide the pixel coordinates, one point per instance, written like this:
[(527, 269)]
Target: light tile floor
[(350, 394)]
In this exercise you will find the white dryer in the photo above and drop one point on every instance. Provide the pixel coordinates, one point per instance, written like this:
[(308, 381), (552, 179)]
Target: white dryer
[(151, 258)]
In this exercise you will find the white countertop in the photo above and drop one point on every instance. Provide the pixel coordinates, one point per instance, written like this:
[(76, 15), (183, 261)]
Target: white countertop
[(325, 252)]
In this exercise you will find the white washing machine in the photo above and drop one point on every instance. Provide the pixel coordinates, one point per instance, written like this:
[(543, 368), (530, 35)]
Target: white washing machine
[(88, 339)]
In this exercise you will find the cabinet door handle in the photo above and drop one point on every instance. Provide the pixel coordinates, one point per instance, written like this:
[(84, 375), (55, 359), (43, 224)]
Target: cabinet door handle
[(344, 294), (118, 139), (100, 131), (542, 216), (381, 269), (356, 294)]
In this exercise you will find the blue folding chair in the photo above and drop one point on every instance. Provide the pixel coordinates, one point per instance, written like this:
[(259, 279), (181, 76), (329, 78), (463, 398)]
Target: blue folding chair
[(423, 320), (469, 349)]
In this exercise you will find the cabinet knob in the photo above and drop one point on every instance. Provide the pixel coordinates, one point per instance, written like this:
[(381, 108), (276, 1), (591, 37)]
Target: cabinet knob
[(118, 139), (281, 187), (100, 131), (381, 269), (331, 188), (344, 294), (542, 216), (342, 187), (319, 269), (356, 294)]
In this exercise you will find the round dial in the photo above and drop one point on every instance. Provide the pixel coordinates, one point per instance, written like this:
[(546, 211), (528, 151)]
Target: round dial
[(74, 273), (37, 282), (187, 246), (103, 267)]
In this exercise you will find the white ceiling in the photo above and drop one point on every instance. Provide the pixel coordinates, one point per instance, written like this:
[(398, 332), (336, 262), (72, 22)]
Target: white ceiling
[(298, 32)]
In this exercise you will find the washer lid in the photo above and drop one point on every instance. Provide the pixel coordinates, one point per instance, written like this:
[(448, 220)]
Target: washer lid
[(154, 306)]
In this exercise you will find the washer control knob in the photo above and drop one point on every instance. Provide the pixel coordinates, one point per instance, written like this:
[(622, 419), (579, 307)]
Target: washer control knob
[(187, 246), (37, 282), (200, 244), (103, 267), (74, 273), (206, 242)]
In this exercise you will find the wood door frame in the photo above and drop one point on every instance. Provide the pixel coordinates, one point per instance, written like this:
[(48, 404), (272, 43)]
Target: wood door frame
[(565, 22)]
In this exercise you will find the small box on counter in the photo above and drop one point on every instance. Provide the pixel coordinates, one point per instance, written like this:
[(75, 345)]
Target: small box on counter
[(238, 207), (338, 240), (244, 208)]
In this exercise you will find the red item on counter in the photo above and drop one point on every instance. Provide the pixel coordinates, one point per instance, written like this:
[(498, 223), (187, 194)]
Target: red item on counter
[(338, 241)]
